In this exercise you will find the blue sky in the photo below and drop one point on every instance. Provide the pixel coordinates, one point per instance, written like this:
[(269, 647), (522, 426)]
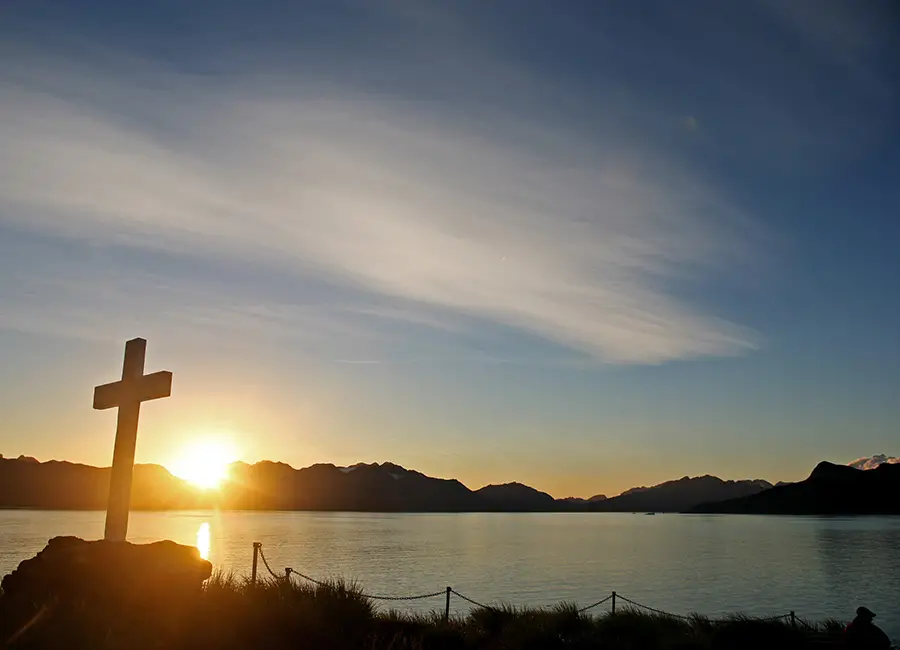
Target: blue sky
[(580, 245)]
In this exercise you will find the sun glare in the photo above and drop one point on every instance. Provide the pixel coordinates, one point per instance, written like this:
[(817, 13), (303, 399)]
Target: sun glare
[(205, 464)]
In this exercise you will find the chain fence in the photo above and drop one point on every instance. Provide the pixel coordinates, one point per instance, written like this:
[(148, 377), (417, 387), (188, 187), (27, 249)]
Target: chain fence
[(612, 598), (324, 583), (471, 601), (265, 562), (597, 604), (653, 609)]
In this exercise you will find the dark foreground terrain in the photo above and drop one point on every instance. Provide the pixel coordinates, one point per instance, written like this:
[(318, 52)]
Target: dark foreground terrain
[(231, 613)]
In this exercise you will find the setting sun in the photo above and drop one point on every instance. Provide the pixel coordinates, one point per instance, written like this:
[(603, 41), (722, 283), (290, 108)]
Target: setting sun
[(204, 463)]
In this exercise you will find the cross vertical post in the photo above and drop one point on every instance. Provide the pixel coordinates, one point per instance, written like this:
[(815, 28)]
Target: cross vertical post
[(127, 394)]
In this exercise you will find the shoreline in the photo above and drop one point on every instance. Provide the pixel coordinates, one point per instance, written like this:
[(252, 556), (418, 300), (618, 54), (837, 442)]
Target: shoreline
[(464, 512)]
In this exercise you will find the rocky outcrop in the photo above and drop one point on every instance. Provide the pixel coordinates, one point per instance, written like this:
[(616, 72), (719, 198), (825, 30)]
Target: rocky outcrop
[(92, 587)]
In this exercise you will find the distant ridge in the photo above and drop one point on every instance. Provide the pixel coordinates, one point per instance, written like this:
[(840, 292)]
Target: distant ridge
[(60, 485), (679, 495), (364, 487), (516, 496), (830, 490)]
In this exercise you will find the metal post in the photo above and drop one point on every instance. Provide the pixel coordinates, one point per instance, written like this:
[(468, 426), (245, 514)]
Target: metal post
[(793, 619), (256, 547), (614, 602), (447, 608)]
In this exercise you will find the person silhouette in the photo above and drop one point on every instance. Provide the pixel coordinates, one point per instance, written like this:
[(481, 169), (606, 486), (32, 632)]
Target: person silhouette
[(862, 633)]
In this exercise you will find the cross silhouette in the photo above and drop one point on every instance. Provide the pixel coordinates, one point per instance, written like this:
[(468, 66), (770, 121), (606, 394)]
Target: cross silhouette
[(127, 394)]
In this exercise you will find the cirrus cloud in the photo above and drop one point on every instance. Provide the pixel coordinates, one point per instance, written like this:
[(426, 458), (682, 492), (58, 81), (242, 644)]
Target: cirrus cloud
[(513, 222)]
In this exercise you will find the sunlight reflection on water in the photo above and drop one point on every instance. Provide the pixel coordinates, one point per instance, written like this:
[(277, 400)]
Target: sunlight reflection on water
[(203, 540)]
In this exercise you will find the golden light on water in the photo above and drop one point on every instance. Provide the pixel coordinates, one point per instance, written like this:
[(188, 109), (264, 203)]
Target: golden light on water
[(203, 540), (204, 462)]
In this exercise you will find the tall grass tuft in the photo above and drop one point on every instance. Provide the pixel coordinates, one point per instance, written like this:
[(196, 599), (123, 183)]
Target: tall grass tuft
[(230, 613)]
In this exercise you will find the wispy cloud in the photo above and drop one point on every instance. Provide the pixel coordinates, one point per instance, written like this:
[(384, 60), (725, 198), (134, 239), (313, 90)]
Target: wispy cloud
[(518, 223), (102, 305)]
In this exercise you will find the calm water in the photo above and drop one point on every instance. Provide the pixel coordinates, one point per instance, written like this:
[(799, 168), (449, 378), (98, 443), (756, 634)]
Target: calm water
[(819, 567)]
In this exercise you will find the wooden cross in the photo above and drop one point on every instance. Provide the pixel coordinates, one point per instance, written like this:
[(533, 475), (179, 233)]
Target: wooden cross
[(127, 395)]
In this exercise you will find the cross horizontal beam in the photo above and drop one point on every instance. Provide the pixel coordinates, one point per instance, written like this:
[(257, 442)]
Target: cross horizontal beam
[(148, 387)]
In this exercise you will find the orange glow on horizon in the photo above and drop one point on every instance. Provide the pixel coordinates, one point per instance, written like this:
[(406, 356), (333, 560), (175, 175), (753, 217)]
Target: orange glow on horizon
[(205, 463)]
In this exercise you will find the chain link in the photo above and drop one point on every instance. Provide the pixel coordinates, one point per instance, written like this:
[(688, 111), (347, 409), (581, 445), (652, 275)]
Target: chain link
[(371, 596), (652, 609), (687, 618), (294, 572), (473, 602), (266, 564), (420, 597), (442, 592), (599, 602)]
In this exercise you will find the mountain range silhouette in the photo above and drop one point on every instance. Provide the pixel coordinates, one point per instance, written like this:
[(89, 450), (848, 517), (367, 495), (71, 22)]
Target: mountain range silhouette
[(829, 490), (387, 487)]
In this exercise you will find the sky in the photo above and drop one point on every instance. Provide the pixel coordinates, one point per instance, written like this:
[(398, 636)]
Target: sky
[(580, 245)]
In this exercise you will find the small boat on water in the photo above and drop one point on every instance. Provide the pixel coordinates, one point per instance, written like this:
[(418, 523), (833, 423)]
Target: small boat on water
[(650, 513)]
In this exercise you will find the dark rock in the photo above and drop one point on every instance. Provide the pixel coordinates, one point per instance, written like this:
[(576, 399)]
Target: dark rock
[(91, 588)]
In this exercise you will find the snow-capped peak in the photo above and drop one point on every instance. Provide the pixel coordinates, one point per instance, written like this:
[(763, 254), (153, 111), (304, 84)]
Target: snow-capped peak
[(871, 462)]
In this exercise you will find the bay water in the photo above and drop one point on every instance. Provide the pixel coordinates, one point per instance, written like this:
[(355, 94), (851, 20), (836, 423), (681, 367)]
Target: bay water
[(712, 564)]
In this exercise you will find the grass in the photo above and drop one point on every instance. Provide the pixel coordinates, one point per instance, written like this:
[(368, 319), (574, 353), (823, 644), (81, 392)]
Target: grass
[(230, 613)]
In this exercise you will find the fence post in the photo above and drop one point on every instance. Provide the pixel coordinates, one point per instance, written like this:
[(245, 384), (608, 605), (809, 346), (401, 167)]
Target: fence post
[(614, 602), (256, 547), (793, 619), (447, 608)]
